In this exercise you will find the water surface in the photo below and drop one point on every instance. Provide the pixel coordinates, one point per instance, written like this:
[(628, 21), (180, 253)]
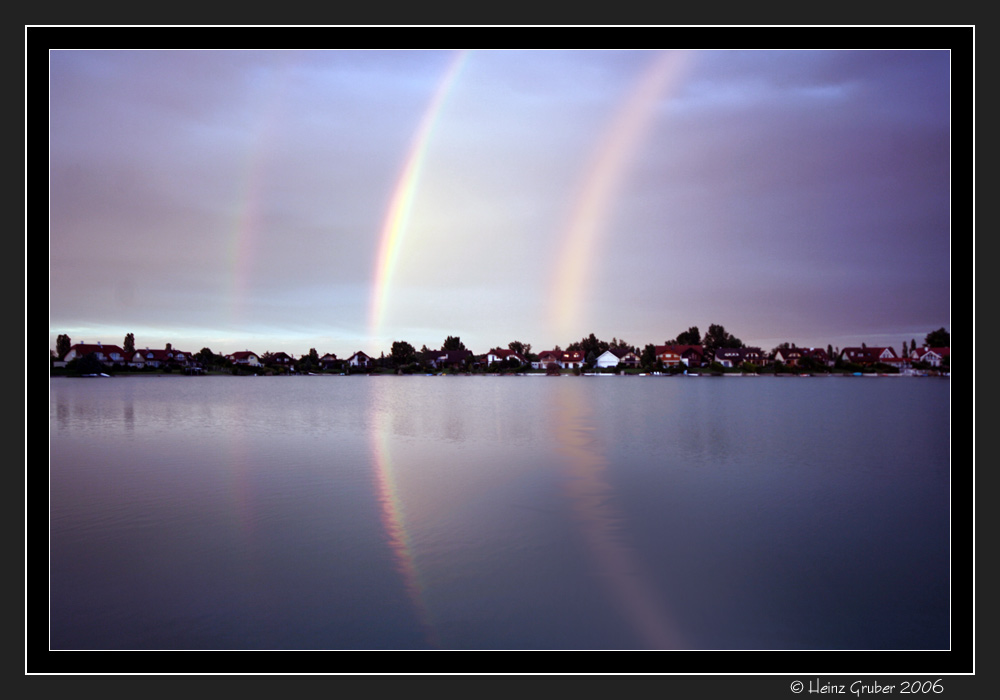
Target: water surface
[(499, 513)]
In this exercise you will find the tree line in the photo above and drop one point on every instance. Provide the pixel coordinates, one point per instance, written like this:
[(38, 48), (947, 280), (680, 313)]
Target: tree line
[(404, 357)]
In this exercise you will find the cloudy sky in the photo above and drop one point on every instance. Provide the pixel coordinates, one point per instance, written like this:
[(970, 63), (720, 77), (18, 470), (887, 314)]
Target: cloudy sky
[(341, 200)]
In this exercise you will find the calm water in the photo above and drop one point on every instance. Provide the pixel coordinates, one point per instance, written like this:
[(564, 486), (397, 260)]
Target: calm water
[(499, 513)]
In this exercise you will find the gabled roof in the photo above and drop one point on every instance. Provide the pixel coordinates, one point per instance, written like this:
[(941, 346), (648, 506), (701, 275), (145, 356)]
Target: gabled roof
[(856, 354), (504, 354), (242, 355), (451, 355), (681, 350), (619, 352), (87, 348), (940, 352), (158, 355)]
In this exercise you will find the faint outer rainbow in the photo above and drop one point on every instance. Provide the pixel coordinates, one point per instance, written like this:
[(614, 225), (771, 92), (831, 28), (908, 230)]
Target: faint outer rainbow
[(598, 189), (397, 217), (250, 202)]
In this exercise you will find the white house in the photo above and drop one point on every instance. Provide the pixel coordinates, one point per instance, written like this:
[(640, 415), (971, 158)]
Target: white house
[(359, 359), (244, 357), (606, 359), (932, 356), (498, 355)]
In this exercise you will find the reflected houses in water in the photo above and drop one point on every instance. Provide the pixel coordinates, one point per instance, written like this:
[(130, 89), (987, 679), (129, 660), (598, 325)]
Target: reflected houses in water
[(592, 500)]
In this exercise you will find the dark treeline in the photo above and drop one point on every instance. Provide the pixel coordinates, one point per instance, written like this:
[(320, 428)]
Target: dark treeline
[(518, 356)]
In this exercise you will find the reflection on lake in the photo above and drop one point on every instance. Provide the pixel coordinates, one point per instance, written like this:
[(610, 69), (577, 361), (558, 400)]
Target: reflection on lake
[(499, 513)]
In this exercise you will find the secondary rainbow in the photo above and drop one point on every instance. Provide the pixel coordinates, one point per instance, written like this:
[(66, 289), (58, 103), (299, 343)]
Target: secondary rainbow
[(398, 214), (249, 208), (597, 191)]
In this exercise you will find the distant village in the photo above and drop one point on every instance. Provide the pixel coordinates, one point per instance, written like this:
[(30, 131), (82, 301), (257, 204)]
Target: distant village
[(714, 353)]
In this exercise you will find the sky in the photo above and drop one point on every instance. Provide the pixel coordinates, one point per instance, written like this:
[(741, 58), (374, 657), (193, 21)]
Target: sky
[(342, 200)]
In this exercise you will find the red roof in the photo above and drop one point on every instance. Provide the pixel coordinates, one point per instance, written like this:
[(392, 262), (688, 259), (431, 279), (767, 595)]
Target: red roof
[(679, 349), (87, 348)]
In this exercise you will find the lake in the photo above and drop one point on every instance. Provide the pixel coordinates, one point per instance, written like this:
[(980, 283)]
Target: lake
[(471, 512)]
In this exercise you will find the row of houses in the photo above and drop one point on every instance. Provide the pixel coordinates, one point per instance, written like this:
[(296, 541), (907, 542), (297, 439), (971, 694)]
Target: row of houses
[(670, 355), (114, 355)]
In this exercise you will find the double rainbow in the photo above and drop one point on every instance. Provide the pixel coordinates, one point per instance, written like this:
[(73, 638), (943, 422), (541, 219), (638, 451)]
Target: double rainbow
[(593, 203)]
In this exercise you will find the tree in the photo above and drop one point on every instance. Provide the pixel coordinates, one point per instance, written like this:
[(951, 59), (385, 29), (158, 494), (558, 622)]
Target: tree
[(689, 337), (402, 353), (453, 343), (716, 337), (938, 339), (588, 345), (617, 344), (648, 357), (206, 357), (308, 362), (63, 344), (129, 345), (522, 349)]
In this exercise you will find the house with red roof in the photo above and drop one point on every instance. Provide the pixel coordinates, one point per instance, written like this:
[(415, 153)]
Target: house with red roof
[(498, 355), (107, 354), (869, 356), (157, 358), (559, 359), (548, 359), (244, 357), (673, 354)]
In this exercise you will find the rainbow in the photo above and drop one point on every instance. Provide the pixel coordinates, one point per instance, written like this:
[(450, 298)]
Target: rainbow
[(394, 522), (598, 189), (643, 607), (397, 216), (243, 237)]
